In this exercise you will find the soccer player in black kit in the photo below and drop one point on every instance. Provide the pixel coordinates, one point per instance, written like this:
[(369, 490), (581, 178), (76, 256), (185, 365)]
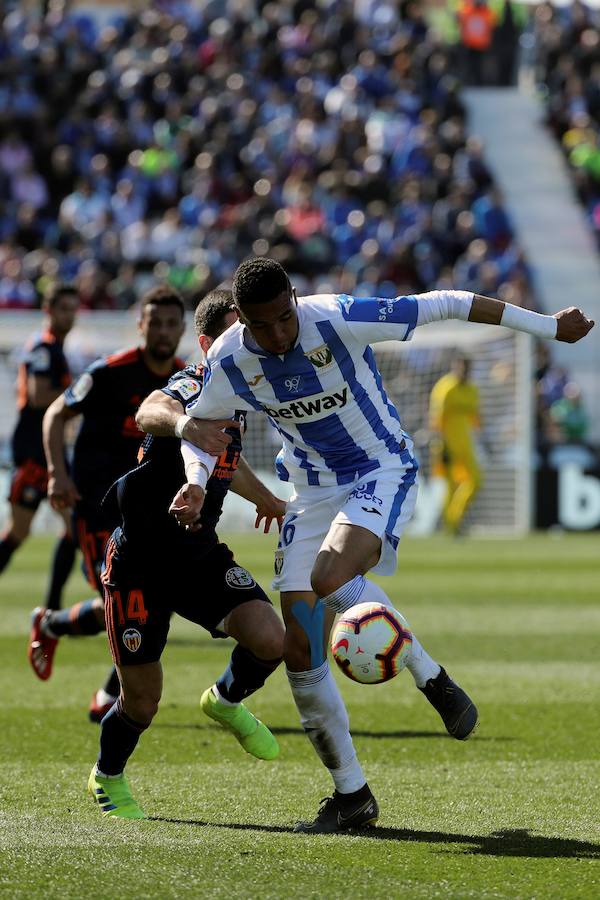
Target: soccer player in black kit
[(43, 375), (107, 396), (221, 595)]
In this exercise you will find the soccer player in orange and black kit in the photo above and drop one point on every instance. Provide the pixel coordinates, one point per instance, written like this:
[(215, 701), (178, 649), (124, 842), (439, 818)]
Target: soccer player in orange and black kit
[(147, 576), (43, 375), (107, 396)]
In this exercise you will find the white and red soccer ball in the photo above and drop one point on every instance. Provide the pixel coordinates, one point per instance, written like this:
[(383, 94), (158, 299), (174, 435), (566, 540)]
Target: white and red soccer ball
[(371, 643)]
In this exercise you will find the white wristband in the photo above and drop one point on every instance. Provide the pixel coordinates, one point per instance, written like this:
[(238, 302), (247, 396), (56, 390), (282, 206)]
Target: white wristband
[(525, 320), (197, 473), (180, 425)]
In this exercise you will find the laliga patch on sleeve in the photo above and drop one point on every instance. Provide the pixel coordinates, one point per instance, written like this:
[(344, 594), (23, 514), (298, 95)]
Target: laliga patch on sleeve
[(39, 360), (186, 388), (82, 387)]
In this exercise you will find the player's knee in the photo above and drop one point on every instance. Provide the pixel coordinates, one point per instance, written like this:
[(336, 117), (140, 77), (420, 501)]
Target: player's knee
[(141, 704), (269, 642), (325, 580)]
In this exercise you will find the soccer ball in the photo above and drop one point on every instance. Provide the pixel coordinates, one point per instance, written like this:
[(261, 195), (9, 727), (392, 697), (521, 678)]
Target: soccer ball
[(371, 643)]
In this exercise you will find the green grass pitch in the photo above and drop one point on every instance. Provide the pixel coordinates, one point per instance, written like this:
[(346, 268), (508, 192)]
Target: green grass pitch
[(514, 813)]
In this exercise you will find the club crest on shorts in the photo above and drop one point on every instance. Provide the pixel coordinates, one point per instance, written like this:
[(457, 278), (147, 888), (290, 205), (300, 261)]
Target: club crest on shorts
[(278, 565), (132, 639), (238, 577)]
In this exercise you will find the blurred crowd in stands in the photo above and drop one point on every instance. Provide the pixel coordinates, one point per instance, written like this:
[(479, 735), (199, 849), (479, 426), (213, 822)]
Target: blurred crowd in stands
[(172, 143), (568, 75)]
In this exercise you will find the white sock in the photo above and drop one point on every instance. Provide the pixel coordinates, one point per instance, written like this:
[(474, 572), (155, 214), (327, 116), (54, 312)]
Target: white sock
[(220, 698), (110, 777), (359, 590), (325, 720)]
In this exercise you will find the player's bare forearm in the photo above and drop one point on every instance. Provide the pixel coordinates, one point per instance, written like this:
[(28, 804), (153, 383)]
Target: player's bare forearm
[(570, 325), (247, 485), (486, 310), (53, 434), (163, 416), (62, 492)]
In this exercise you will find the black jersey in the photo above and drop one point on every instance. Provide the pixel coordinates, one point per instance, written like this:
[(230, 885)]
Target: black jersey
[(44, 356), (145, 493), (108, 395)]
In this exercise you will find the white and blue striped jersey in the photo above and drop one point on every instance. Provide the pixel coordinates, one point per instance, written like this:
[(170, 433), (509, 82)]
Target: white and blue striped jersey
[(325, 396)]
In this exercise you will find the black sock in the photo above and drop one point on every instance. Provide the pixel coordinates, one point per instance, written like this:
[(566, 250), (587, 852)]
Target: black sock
[(362, 794), (76, 620), (7, 547), (112, 685), (245, 674), (62, 563), (118, 739)]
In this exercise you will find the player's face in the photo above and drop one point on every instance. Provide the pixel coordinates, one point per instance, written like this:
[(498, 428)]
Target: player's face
[(273, 325), (161, 328), (62, 315)]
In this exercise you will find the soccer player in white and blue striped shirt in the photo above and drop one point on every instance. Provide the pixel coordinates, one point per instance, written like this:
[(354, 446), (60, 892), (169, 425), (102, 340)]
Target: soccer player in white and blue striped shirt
[(308, 365)]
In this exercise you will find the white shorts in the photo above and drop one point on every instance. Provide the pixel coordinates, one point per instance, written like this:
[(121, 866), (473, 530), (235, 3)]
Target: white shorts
[(383, 502)]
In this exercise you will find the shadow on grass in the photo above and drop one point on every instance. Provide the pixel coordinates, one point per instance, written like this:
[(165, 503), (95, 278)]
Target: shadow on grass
[(356, 732), (507, 842)]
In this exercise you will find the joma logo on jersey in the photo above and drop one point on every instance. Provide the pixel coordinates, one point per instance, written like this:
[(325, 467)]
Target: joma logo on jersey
[(316, 407), (320, 356)]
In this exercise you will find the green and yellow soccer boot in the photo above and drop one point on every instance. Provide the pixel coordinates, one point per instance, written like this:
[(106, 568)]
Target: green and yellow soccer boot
[(252, 734), (113, 796)]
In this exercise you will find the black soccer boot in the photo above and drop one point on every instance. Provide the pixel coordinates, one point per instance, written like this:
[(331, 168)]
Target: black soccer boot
[(343, 813), (459, 713)]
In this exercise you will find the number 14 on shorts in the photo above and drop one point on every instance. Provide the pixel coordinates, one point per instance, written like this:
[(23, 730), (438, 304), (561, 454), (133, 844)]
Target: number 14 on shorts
[(135, 609)]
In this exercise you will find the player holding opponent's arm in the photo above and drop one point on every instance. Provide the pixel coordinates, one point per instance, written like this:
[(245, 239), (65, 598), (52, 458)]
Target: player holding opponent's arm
[(308, 366)]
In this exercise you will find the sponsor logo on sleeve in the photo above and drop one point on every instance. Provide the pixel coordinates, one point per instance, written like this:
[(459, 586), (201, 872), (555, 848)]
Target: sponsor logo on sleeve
[(238, 577), (82, 387), (186, 388), (132, 639)]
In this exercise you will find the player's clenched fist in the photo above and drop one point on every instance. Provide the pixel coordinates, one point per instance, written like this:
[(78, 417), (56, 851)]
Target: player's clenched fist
[(572, 325), (187, 506)]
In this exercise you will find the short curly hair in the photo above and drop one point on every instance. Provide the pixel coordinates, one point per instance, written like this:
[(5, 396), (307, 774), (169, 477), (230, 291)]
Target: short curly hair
[(259, 280), (209, 317)]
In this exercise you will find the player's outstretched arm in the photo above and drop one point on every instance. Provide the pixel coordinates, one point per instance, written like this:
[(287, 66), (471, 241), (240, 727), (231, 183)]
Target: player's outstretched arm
[(250, 487), (62, 492), (569, 325), (162, 415)]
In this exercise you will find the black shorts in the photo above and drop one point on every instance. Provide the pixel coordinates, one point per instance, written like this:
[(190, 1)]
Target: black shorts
[(29, 485), (93, 530), (138, 602)]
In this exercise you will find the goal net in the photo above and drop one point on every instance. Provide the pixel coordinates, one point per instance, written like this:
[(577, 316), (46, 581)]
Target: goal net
[(501, 368)]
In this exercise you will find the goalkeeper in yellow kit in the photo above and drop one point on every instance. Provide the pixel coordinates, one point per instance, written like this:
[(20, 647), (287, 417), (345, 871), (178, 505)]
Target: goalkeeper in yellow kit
[(453, 416)]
